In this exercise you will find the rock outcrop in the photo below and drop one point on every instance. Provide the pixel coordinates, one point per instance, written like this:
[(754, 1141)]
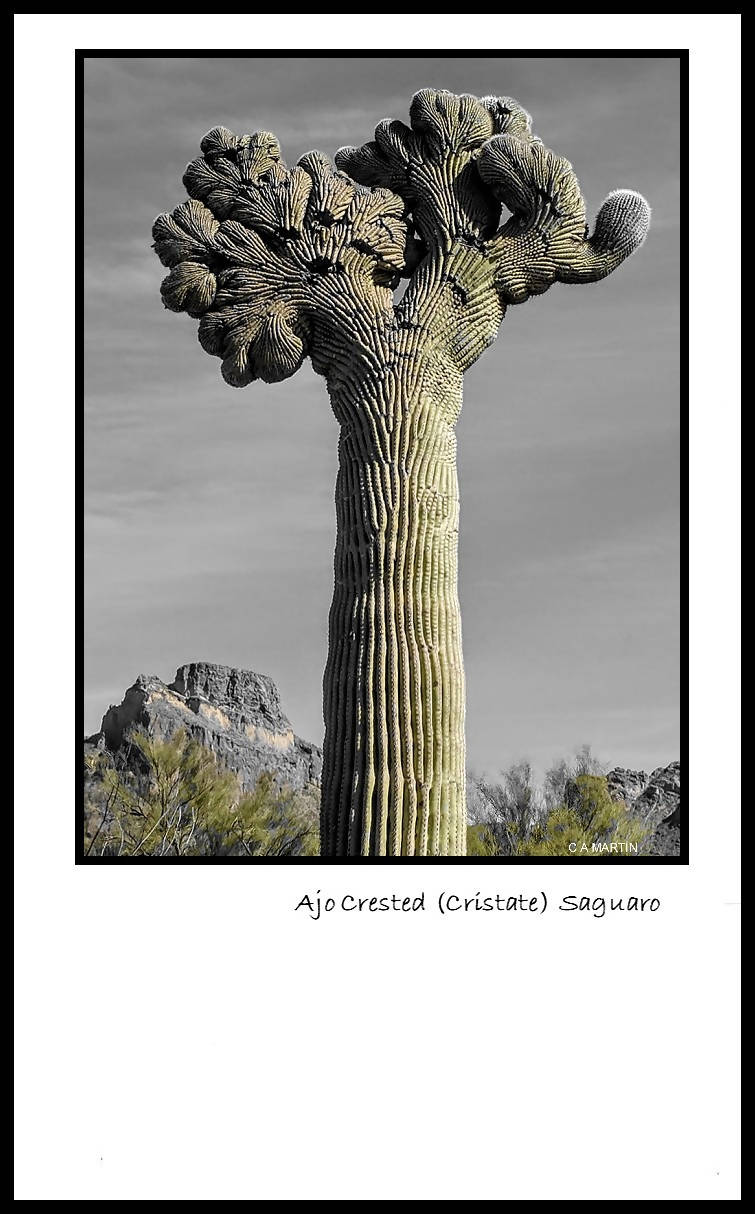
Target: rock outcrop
[(660, 800), (235, 713), (654, 799), (626, 785)]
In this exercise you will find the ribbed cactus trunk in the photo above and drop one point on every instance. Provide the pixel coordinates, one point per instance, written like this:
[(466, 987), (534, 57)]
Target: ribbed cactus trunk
[(393, 779)]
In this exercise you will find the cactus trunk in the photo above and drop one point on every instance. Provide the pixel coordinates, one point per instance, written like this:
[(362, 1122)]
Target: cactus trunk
[(394, 771)]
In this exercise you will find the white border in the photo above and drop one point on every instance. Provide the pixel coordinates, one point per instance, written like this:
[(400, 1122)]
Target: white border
[(181, 1033)]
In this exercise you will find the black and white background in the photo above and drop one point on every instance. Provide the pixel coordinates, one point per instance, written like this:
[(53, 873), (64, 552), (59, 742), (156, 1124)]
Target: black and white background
[(209, 516)]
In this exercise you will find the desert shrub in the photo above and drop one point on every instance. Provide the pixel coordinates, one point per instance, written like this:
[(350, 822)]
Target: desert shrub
[(561, 775), (589, 824), (512, 808), (516, 810), (481, 841), (176, 800)]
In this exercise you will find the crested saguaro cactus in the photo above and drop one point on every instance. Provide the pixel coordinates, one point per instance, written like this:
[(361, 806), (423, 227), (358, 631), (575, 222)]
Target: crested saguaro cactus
[(281, 264)]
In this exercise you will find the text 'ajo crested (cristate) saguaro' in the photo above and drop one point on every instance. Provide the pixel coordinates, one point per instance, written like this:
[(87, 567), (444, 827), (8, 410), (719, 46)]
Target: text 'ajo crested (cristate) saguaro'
[(281, 264)]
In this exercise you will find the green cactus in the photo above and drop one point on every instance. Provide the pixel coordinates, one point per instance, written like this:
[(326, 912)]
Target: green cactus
[(281, 264)]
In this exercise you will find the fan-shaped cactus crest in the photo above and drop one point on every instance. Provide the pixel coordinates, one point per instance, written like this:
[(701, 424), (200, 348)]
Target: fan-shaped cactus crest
[(282, 264)]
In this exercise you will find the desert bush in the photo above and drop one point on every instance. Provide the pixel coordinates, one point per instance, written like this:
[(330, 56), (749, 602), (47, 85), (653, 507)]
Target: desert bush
[(572, 806), (590, 824), (561, 775), (481, 841), (176, 800), (512, 808)]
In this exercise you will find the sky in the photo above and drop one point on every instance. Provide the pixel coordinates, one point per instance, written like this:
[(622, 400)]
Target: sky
[(209, 515)]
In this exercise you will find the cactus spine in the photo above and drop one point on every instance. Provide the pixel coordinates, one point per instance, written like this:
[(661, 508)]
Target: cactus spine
[(280, 264)]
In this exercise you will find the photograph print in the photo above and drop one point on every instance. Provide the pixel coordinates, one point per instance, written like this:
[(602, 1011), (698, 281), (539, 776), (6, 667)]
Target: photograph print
[(295, 270)]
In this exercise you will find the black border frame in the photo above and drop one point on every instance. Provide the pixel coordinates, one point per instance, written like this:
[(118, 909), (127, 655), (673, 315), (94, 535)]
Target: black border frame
[(682, 54)]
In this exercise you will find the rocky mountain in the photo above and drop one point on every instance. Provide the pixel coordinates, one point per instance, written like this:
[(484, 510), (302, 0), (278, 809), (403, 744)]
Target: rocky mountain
[(235, 713), (626, 785), (655, 799)]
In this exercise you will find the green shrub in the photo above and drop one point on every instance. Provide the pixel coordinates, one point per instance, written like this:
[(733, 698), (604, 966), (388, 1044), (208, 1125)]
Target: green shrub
[(481, 841), (511, 808), (176, 800), (590, 824)]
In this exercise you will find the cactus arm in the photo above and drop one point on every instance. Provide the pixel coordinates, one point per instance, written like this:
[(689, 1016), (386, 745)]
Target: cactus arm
[(546, 240), (621, 226), (460, 160)]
